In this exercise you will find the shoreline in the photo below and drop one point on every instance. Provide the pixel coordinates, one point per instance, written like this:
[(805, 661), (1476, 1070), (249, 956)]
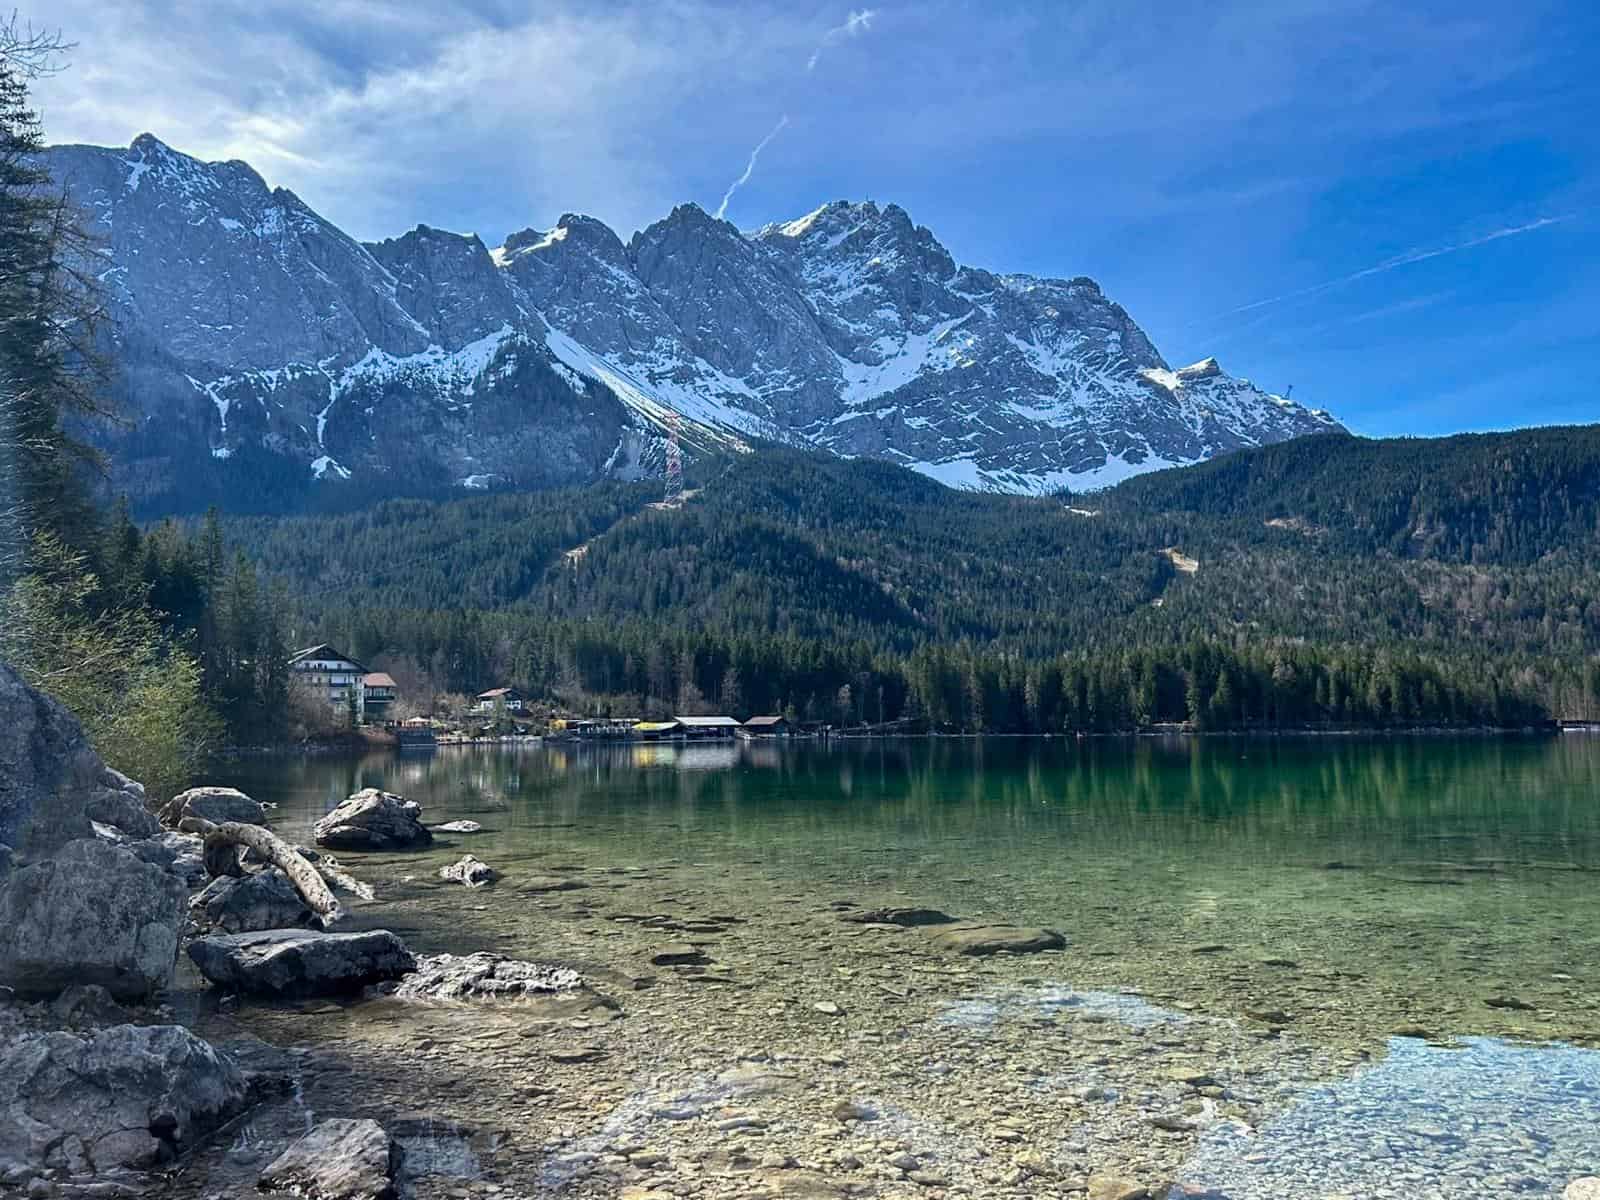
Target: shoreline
[(1376, 733)]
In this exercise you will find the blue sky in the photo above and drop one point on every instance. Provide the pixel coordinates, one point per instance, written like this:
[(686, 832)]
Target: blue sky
[(1393, 207)]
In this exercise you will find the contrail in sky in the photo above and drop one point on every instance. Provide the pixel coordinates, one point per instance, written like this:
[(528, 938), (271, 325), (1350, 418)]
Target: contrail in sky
[(858, 21), (750, 166), (1403, 260)]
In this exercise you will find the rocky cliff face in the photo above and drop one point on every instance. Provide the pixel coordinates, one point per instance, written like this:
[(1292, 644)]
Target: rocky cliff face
[(266, 356)]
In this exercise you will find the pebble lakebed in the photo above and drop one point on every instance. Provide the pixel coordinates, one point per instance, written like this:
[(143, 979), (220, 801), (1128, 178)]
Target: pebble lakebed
[(796, 1054)]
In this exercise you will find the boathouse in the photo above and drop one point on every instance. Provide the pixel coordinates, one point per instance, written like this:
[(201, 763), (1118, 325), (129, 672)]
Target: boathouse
[(767, 726), (708, 727)]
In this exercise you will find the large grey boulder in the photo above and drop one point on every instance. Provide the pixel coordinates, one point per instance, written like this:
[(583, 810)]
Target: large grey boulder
[(340, 1159), (300, 962), (179, 854), (265, 900), (52, 783), (128, 1097), (94, 913), (214, 804), (373, 820)]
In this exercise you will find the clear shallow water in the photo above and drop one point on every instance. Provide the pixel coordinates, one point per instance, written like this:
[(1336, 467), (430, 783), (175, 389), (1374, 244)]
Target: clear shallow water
[(1406, 881), (1485, 1118), (1342, 890)]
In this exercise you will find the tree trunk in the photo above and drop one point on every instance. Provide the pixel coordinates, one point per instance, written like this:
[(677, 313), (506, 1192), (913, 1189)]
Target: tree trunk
[(224, 841)]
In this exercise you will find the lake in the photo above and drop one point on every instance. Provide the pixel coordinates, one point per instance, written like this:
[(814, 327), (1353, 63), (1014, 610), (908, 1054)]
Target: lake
[(1386, 951)]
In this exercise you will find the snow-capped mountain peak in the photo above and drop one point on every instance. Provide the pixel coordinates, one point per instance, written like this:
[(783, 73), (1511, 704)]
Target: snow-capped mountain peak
[(275, 338)]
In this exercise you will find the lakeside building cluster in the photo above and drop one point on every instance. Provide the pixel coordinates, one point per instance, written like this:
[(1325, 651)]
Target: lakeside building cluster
[(371, 696)]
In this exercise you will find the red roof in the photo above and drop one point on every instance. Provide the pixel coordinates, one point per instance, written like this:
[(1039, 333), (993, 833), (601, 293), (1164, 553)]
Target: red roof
[(379, 679)]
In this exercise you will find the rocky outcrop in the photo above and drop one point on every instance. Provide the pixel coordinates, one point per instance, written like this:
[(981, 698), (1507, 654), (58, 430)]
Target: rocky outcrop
[(265, 900), (338, 1160), (53, 786), (469, 871), (300, 962), (214, 804), (373, 820), (93, 913), (127, 1097)]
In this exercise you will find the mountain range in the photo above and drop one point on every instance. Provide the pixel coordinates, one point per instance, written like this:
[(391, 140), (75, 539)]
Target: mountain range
[(267, 360)]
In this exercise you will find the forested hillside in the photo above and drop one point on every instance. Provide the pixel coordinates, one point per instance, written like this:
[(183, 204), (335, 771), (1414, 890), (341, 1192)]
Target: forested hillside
[(1338, 580)]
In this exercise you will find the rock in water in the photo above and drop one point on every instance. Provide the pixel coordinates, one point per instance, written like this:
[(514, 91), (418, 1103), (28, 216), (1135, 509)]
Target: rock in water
[(338, 1160), (1586, 1188), (214, 804), (95, 913), (373, 820), (1112, 1187), (458, 827), (470, 872), (981, 940), (300, 962), (679, 954), (458, 977), (265, 900), (907, 917), (52, 784), (129, 1097)]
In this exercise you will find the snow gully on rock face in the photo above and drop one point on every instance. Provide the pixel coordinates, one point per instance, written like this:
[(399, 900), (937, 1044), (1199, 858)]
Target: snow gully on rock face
[(851, 329)]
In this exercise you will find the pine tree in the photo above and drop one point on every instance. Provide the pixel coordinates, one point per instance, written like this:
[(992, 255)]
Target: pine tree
[(48, 317)]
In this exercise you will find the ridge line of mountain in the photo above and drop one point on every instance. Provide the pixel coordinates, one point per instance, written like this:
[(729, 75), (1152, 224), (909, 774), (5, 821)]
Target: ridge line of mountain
[(259, 343)]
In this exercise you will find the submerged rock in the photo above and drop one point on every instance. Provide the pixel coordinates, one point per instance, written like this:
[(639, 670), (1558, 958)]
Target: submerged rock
[(265, 900), (214, 804), (95, 913), (907, 917), (129, 1097), (459, 977), (301, 962), (373, 820), (469, 871), (1113, 1187), (537, 884), (982, 940), (340, 1159), (678, 954)]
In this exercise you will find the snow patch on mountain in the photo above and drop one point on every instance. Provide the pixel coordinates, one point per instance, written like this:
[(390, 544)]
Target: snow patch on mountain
[(562, 354)]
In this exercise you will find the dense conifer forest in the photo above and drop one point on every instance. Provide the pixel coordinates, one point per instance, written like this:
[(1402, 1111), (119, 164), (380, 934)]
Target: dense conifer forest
[(1327, 582)]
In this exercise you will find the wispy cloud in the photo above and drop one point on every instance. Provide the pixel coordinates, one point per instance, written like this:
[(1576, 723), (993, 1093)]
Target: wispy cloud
[(1401, 260), (750, 166), (859, 21)]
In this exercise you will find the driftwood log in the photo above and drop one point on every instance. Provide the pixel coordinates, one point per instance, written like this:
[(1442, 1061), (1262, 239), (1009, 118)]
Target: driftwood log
[(338, 877), (222, 854)]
